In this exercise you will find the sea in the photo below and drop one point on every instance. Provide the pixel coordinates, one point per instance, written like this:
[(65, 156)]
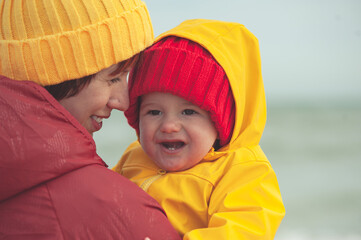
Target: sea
[(315, 150)]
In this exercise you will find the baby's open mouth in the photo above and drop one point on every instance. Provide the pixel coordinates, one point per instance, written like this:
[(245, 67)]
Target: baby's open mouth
[(172, 145)]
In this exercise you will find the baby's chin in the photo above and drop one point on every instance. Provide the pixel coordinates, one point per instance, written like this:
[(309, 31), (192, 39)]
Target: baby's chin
[(174, 168)]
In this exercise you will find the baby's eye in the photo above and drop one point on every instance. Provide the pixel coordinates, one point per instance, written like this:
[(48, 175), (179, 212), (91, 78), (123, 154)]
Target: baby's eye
[(154, 112), (188, 112)]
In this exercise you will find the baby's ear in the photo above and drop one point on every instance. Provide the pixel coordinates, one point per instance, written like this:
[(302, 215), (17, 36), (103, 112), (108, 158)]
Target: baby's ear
[(216, 144)]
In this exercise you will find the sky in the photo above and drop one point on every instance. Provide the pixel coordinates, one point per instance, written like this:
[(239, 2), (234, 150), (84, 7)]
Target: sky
[(310, 50)]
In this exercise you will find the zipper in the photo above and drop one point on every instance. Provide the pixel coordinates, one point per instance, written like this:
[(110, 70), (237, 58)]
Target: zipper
[(146, 184)]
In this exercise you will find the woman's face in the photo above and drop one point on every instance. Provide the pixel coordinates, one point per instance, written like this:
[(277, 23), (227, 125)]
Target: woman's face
[(97, 99)]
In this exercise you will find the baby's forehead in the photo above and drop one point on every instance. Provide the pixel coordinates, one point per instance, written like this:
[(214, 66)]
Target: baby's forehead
[(165, 98)]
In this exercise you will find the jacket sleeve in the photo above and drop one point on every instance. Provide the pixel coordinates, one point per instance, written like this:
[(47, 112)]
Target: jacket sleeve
[(245, 204)]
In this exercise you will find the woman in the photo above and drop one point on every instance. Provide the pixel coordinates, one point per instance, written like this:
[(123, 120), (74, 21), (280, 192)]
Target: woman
[(53, 185)]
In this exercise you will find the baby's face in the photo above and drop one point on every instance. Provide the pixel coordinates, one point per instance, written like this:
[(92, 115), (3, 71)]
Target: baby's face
[(175, 133)]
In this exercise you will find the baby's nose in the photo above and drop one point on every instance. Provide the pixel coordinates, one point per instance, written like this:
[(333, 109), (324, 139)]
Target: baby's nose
[(170, 124)]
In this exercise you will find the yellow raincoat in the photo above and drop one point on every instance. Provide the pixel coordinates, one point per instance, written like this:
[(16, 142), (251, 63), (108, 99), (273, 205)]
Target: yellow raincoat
[(233, 192)]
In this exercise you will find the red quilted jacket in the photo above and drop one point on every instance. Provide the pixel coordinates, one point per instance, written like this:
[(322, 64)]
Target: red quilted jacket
[(53, 185)]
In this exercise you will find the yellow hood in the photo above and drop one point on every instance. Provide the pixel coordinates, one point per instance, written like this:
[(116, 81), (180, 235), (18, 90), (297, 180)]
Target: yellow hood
[(236, 50)]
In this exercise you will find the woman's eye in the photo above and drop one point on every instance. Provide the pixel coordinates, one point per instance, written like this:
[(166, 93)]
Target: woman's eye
[(154, 112), (188, 112), (114, 80)]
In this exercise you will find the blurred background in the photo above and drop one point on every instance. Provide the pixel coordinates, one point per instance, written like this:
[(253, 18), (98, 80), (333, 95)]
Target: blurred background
[(311, 64)]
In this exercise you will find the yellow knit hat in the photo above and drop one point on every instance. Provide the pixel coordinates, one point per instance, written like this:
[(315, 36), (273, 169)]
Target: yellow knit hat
[(51, 41)]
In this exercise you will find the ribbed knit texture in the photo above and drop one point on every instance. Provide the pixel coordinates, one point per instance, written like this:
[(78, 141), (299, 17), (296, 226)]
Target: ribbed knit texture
[(184, 68), (51, 41)]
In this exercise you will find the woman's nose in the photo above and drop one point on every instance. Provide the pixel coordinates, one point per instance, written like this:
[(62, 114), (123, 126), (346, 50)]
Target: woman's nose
[(170, 124), (119, 98)]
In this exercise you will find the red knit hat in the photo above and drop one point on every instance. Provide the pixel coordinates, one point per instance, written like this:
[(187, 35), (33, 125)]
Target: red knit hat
[(183, 68)]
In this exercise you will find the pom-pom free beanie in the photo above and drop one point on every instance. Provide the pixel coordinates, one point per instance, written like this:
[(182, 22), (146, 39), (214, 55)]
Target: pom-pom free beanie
[(184, 68), (52, 41)]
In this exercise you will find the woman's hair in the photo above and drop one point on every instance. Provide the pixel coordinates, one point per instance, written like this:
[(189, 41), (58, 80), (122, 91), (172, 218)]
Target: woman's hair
[(73, 87)]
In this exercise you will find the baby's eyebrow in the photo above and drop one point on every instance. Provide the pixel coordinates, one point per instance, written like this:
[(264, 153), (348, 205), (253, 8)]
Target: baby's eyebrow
[(150, 104), (189, 104)]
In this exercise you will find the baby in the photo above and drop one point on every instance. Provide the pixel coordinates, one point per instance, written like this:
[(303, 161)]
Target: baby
[(197, 103)]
